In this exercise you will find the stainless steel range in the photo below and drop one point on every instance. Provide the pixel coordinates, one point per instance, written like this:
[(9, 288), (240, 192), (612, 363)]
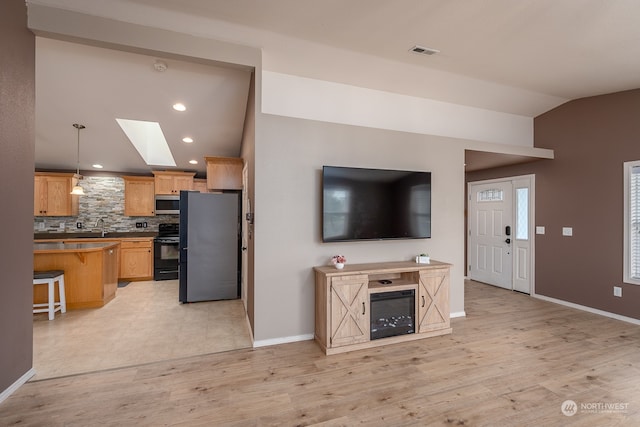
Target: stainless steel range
[(166, 252)]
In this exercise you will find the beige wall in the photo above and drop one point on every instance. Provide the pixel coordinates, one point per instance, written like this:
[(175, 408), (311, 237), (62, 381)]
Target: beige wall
[(290, 154), (248, 155), (17, 140)]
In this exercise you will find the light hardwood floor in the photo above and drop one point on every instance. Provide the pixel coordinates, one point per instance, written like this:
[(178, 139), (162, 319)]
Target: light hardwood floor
[(511, 362), (144, 323)]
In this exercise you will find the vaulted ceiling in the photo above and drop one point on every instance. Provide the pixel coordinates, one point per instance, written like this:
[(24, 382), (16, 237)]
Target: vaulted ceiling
[(561, 49)]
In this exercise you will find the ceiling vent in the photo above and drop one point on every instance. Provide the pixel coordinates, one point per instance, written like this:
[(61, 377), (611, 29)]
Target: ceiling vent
[(423, 50), (160, 66)]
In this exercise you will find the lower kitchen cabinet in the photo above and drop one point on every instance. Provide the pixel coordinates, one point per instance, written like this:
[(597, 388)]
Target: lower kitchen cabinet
[(136, 259)]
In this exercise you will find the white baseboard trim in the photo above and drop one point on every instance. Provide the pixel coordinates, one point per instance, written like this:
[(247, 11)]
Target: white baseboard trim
[(457, 314), (16, 385), (589, 309), (283, 340)]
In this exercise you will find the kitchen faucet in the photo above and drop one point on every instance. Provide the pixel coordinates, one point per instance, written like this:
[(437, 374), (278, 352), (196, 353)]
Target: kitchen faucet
[(101, 220)]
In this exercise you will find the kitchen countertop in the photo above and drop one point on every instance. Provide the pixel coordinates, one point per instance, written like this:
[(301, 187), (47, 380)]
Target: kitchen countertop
[(58, 247), (94, 235)]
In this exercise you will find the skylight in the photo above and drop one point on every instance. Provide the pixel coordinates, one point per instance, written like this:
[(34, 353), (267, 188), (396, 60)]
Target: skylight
[(148, 139)]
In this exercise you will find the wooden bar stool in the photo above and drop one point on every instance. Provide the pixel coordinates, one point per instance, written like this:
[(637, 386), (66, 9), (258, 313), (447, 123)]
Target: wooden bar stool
[(49, 278)]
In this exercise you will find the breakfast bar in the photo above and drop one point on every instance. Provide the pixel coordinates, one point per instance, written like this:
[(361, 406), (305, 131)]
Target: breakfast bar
[(90, 271)]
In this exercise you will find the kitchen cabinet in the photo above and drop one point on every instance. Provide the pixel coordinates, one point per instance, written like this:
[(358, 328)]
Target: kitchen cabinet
[(224, 173), (200, 185), (52, 194), (139, 196), (170, 182), (136, 259)]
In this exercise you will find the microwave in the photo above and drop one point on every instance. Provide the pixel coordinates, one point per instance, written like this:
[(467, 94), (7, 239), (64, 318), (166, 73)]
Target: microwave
[(167, 204)]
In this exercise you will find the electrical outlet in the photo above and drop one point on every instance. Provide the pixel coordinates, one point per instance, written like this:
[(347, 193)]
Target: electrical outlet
[(78, 225), (567, 231), (41, 226), (617, 291), (144, 224)]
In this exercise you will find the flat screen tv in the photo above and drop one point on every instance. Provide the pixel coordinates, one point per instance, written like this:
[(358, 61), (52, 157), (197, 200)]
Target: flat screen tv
[(375, 204)]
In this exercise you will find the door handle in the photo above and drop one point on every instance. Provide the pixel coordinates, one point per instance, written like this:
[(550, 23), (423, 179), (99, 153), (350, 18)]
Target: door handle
[(508, 241), (244, 248), (507, 230), (423, 300), (363, 308)]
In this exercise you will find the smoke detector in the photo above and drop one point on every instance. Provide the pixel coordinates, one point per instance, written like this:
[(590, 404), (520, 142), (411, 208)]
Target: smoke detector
[(160, 66), (423, 50)]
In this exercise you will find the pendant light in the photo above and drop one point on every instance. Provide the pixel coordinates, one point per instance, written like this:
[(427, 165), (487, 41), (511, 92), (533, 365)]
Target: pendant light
[(77, 190)]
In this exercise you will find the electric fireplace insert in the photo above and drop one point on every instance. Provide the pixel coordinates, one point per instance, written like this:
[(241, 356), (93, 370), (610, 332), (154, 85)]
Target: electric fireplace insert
[(392, 313)]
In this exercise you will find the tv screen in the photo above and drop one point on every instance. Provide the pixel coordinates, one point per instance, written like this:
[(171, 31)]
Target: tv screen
[(375, 204)]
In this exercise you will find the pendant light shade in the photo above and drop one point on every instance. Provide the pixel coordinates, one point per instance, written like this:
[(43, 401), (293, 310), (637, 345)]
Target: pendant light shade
[(77, 190)]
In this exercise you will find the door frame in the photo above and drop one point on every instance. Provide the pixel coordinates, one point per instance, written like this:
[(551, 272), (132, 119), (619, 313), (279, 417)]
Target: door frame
[(531, 181), (244, 257)]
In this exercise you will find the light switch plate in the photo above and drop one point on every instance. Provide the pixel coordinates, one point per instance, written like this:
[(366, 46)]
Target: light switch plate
[(540, 229), (567, 231)]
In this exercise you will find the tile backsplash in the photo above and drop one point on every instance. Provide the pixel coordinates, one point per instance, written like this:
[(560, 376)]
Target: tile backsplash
[(104, 198)]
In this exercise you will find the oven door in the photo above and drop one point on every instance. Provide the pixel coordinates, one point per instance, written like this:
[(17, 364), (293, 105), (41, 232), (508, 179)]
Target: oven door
[(165, 261)]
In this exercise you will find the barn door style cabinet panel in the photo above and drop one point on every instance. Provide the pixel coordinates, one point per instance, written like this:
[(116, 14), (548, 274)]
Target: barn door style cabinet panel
[(368, 305)]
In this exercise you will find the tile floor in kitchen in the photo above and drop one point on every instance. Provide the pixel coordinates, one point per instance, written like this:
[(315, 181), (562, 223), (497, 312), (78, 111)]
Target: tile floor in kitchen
[(143, 323)]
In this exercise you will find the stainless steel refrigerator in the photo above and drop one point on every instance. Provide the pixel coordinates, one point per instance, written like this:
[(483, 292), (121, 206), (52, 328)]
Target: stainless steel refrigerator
[(209, 260)]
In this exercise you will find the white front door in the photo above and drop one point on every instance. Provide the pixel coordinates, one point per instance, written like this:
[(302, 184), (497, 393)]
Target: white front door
[(501, 223), (490, 233)]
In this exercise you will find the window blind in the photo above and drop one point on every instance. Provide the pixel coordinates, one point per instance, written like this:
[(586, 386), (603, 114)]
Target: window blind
[(634, 222)]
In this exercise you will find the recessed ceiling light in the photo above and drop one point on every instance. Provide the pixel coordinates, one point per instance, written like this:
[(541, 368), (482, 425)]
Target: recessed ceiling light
[(187, 139), (97, 166), (179, 107), (193, 162)]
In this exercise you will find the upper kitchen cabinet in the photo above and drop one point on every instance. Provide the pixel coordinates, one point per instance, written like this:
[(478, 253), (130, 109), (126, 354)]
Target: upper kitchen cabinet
[(224, 173), (200, 185), (170, 182), (52, 194), (139, 196)]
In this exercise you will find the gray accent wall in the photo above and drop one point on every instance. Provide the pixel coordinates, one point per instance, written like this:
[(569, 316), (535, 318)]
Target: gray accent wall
[(583, 188), (289, 156), (17, 142)]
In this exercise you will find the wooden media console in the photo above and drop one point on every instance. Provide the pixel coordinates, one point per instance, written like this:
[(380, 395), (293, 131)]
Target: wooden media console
[(343, 299)]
